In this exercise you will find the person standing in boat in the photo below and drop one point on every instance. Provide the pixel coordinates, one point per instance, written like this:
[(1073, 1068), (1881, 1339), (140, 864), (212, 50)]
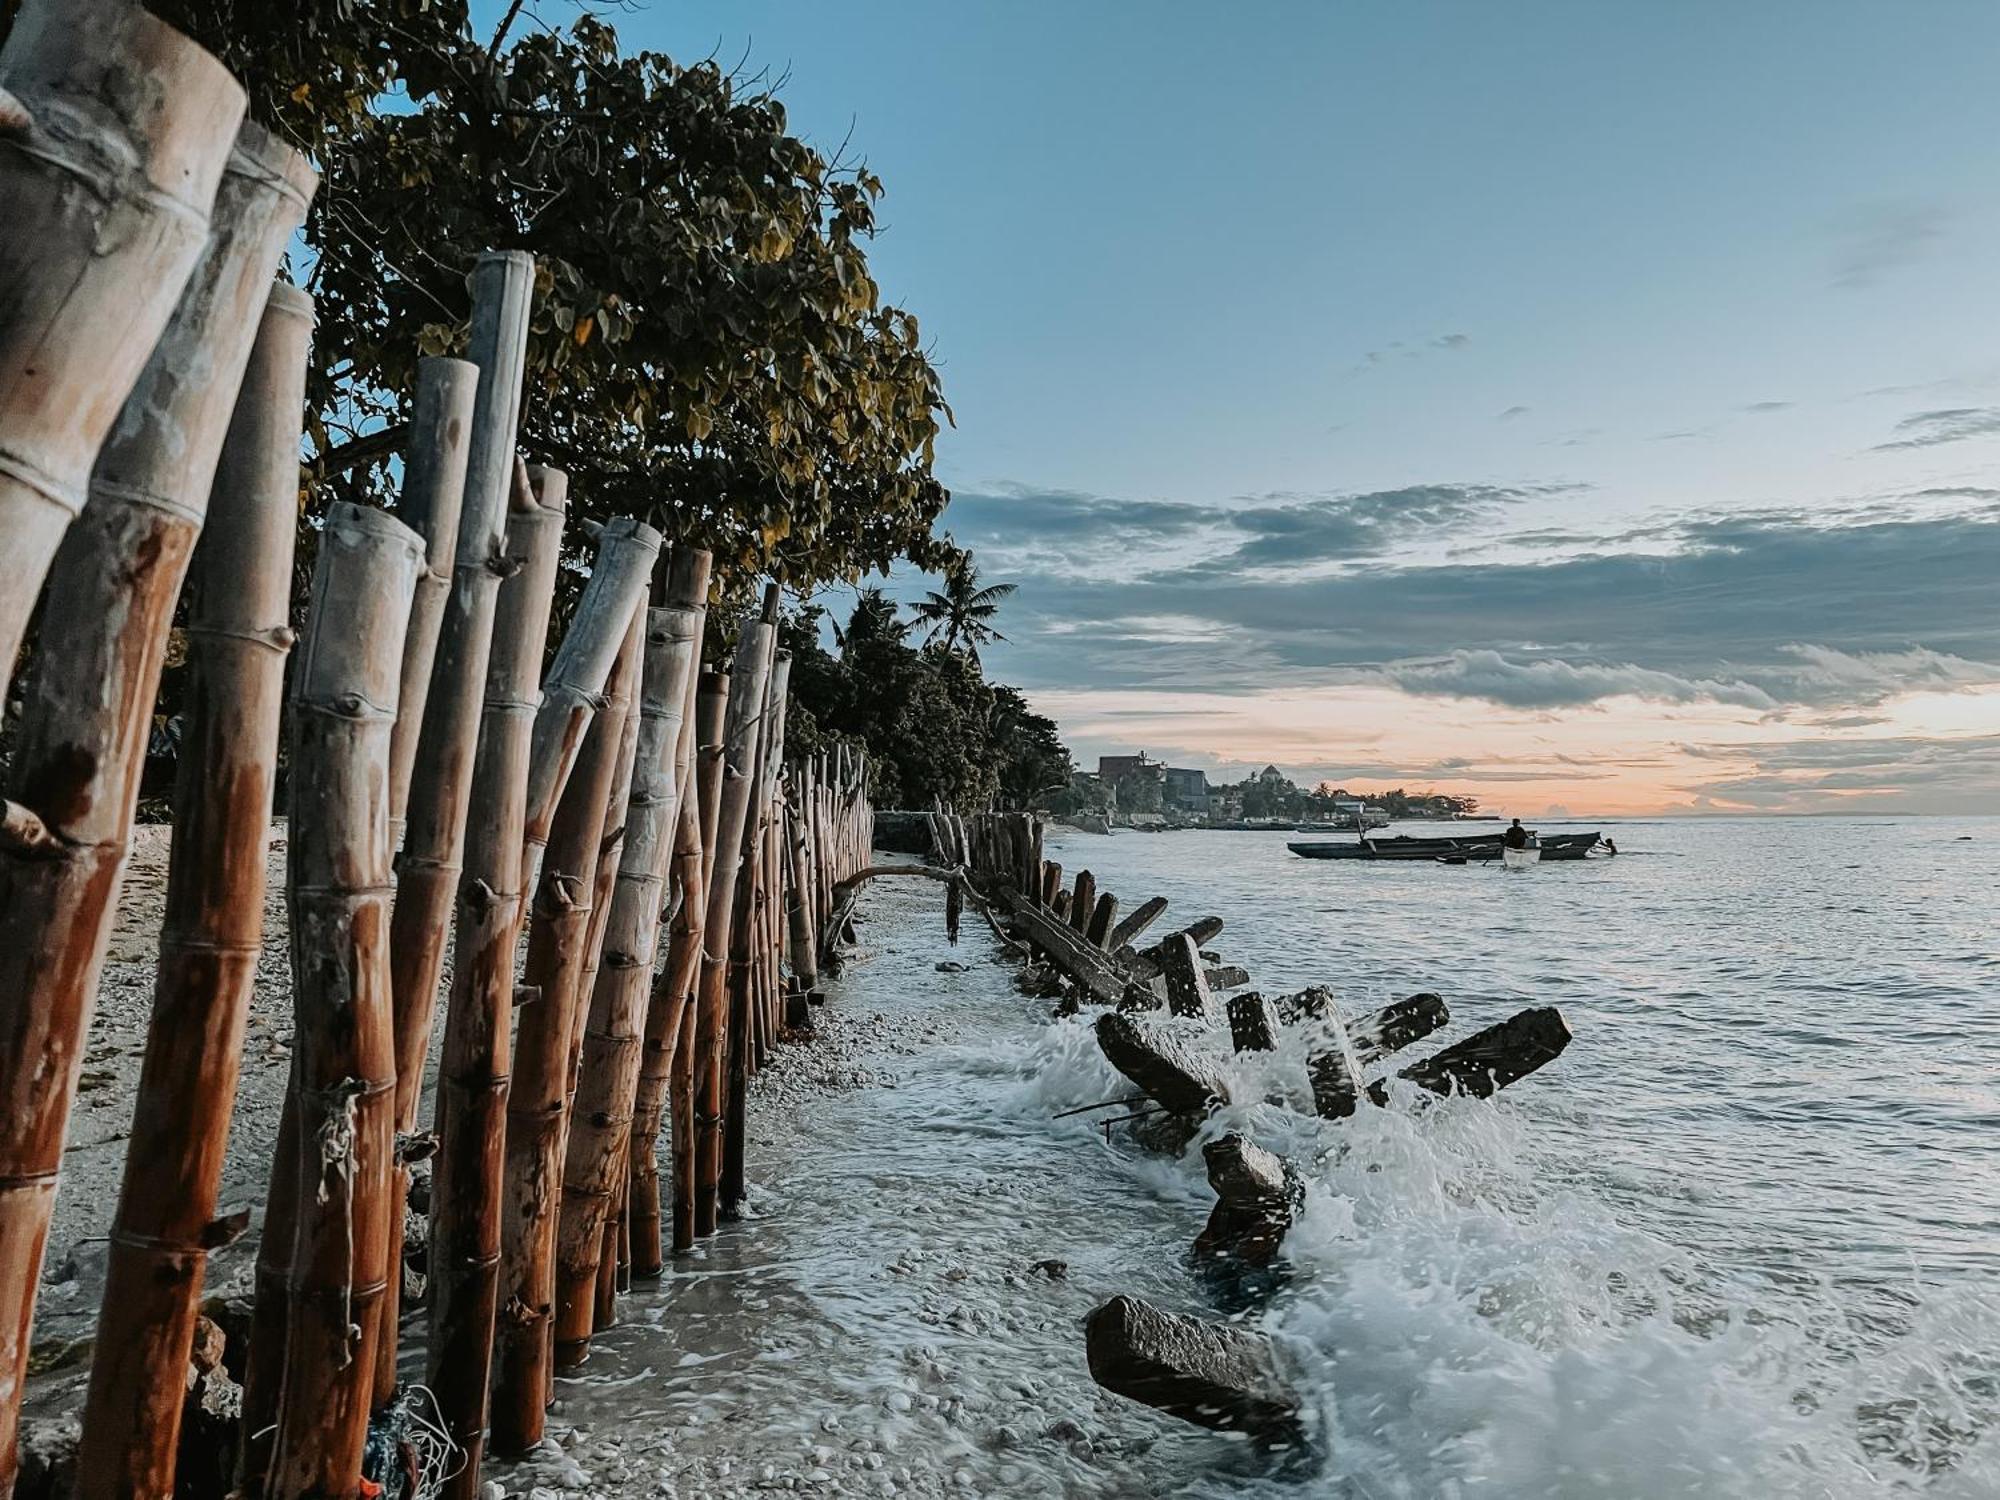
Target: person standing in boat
[(1516, 837)]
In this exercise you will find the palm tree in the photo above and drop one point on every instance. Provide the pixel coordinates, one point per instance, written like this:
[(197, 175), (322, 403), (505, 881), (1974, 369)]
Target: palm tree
[(874, 619), (959, 615)]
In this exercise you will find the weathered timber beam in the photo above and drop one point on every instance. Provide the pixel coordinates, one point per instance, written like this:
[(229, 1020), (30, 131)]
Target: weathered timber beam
[(1489, 1060), (1187, 981), (1214, 1375), (1253, 1023), (1128, 930), (1165, 1060), (1257, 1195)]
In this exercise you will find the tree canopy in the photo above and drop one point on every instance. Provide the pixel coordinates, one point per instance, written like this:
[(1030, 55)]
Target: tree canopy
[(709, 349)]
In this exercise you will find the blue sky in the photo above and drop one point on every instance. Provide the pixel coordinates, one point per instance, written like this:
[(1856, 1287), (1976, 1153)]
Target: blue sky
[(1480, 394)]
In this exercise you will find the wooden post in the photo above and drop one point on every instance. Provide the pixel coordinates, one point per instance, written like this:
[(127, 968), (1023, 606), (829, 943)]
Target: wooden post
[(701, 1046), (427, 867), (118, 131), (1083, 900), (1128, 930), (536, 1102), (476, 1060), (748, 674), (433, 493), (601, 1115), (1098, 933), (111, 596), (337, 890), (239, 634)]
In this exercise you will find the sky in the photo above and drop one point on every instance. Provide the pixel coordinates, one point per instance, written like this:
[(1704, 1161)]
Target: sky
[(1588, 406)]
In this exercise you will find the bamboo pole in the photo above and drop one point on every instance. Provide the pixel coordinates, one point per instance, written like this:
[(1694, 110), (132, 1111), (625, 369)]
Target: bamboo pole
[(744, 999), (337, 890), (695, 1041), (476, 1060), (664, 1016), (748, 674), (83, 733), (433, 493), (557, 934), (626, 553), (116, 138), (427, 868), (601, 1115), (239, 635)]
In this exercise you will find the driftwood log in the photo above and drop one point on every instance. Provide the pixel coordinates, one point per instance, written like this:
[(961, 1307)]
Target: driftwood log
[(115, 138), (337, 888), (477, 1058), (239, 635), (112, 589), (1489, 1060)]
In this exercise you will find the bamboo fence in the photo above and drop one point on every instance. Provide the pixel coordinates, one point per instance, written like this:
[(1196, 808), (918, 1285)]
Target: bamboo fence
[(678, 879)]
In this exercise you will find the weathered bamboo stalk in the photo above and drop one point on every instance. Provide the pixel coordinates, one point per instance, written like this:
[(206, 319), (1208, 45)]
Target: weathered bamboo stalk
[(112, 589), (337, 890), (664, 1021), (239, 635), (601, 1115), (476, 1060), (744, 997), (557, 939), (696, 1045), (109, 164), (433, 492), (748, 673), (427, 867), (626, 553)]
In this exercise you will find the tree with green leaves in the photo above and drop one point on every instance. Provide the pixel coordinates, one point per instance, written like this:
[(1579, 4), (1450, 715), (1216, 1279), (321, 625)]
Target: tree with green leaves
[(710, 350), (960, 615)]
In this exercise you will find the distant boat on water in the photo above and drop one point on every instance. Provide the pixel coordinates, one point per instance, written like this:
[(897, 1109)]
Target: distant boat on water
[(1477, 847)]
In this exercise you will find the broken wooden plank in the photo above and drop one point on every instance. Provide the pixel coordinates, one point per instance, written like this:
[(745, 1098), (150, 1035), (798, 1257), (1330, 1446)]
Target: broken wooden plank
[(1082, 901), (1253, 1023), (1489, 1060), (1187, 983), (1214, 1375), (1102, 921), (1145, 916), (1226, 976)]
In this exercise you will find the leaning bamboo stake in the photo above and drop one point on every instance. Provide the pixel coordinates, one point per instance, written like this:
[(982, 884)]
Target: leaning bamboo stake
[(748, 673), (83, 733), (239, 635), (745, 998), (427, 867), (433, 492), (600, 1117), (626, 553), (110, 155), (337, 890), (476, 1061), (670, 992), (695, 1045), (557, 935)]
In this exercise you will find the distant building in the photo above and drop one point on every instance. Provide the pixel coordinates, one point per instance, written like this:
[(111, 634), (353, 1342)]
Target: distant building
[(1186, 790), (1115, 767)]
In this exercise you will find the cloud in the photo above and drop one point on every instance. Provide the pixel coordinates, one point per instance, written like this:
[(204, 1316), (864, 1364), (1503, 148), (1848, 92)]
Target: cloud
[(1777, 611), (1765, 408), (1561, 684), (1513, 412), (1451, 341), (1882, 238), (1927, 429), (1903, 772)]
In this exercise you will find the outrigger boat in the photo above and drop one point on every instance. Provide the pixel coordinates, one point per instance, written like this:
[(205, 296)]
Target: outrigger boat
[(1479, 847)]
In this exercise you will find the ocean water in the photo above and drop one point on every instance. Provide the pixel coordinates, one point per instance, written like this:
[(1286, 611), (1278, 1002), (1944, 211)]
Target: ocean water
[(1739, 1241)]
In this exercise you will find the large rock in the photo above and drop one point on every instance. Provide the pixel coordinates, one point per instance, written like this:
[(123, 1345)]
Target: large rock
[(1166, 1060), (1211, 1374)]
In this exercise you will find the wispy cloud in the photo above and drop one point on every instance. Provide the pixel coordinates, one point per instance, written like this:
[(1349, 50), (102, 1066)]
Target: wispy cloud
[(1927, 429), (1881, 238)]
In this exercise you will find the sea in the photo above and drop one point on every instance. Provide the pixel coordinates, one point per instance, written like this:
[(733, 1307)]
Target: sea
[(1740, 1240)]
